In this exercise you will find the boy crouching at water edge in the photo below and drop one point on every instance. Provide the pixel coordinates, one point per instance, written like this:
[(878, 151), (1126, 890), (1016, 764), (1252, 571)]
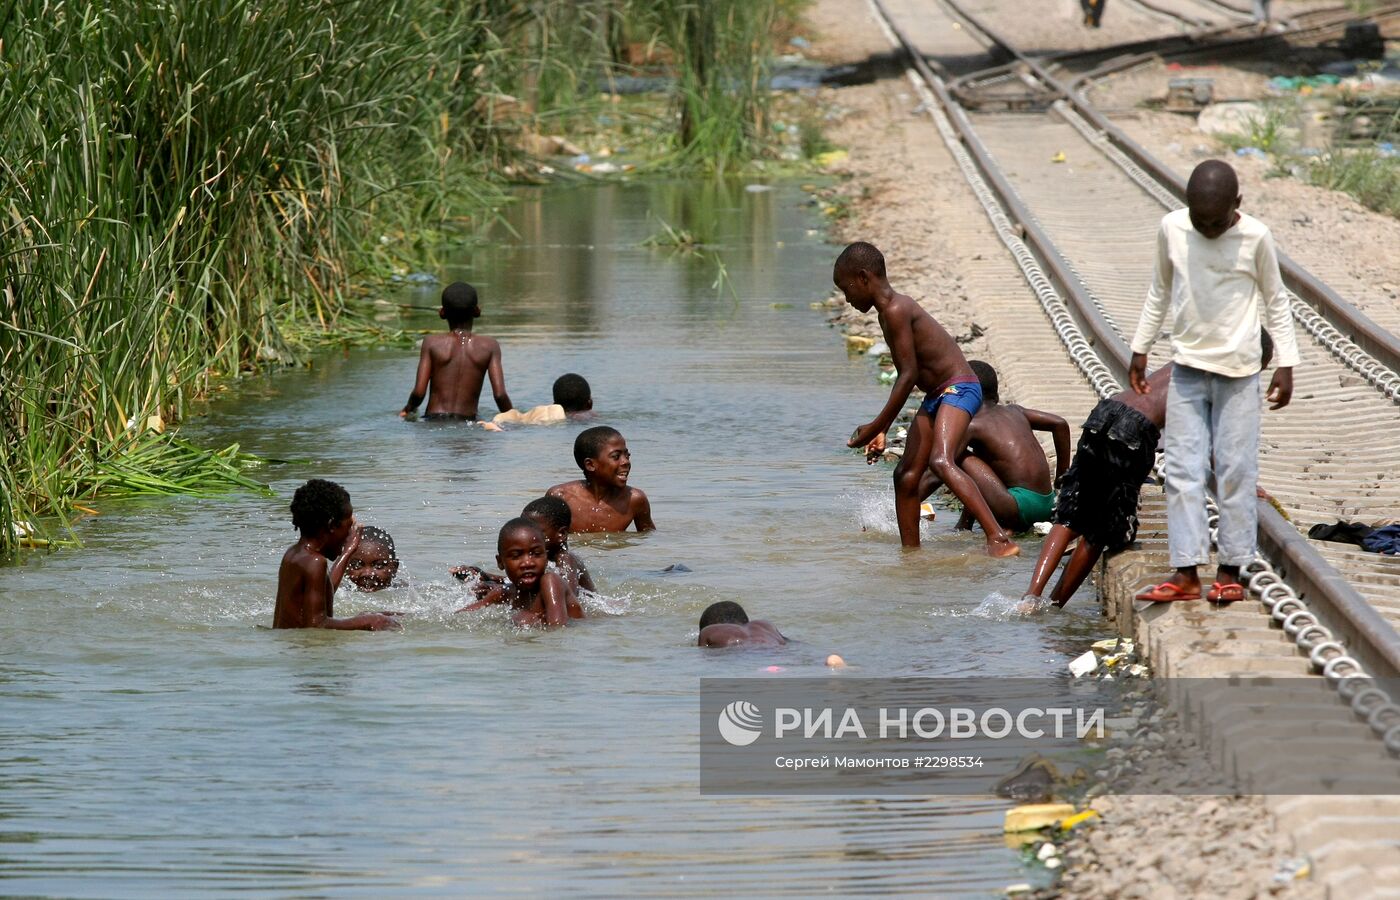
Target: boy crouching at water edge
[(453, 366), (538, 596), (602, 500), (306, 581), (925, 355), (1005, 459), (1217, 274), (725, 624)]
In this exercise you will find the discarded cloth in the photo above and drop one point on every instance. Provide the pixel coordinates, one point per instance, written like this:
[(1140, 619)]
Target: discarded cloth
[(1383, 540), (1341, 533)]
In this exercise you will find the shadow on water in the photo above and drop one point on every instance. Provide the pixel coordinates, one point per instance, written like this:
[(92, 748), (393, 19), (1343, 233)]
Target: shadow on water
[(155, 738)]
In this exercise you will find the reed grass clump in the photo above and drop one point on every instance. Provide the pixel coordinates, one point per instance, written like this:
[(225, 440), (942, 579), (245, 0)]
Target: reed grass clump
[(189, 187)]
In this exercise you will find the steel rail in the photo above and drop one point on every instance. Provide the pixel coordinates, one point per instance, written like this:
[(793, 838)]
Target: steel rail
[(1374, 641), (1337, 311)]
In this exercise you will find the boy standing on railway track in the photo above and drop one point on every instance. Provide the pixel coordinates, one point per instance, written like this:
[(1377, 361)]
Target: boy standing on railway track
[(925, 355), (1217, 274)]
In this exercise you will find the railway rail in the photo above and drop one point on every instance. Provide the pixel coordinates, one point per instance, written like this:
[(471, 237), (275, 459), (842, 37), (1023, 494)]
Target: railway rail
[(1347, 603)]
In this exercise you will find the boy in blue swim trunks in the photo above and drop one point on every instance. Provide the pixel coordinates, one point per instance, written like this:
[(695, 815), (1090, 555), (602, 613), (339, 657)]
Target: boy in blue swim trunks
[(925, 355)]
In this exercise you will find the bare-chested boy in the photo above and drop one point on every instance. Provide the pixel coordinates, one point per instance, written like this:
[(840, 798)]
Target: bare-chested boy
[(725, 624), (306, 582), (1005, 459), (926, 356), (601, 499), (452, 366), (538, 596)]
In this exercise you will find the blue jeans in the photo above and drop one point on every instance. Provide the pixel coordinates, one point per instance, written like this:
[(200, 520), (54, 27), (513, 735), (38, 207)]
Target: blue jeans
[(1212, 418)]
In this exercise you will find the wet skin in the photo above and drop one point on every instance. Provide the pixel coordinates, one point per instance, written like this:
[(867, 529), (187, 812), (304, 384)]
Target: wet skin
[(1002, 453), (601, 501), (372, 567), (306, 581), (569, 566), (756, 633), (926, 356), (1152, 403), (451, 369), (539, 597)]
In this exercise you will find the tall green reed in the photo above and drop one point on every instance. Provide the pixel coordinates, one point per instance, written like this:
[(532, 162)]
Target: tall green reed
[(186, 186)]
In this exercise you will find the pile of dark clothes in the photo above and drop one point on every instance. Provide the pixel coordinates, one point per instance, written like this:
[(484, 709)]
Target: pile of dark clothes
[(1385, 539)]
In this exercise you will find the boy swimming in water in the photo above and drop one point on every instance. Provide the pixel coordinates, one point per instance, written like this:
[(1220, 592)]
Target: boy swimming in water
[(574, 394), (306, 581), (452, 366), (538, 596), (1005, 459), (725, 624), (601, 500), (553, 517), (374, 563), (926, 356)]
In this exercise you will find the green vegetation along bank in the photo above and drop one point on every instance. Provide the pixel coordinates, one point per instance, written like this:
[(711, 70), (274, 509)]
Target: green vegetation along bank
[(190, 189)]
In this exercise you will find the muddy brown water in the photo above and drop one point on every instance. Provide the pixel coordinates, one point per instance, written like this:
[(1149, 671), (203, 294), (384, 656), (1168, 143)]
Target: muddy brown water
[(158, 739)]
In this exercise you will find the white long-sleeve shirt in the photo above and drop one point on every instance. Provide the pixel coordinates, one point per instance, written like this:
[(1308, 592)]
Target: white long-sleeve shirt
[(1214, 288)]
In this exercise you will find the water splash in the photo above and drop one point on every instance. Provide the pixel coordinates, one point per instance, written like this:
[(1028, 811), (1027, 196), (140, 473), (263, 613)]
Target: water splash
[(874, 511), (1003, 607)]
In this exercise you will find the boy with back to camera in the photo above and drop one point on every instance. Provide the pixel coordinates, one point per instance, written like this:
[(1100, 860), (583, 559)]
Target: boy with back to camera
[(306, 581), (453, 366), (602, 500), (573, 393), (926, 356), (1217, 274)]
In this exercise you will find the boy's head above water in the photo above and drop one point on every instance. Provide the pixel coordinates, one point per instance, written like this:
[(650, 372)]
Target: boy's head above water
[(459, 304), (601, 452), (553, 517), (321, 509), (859, 273), (987, 378), (375, 563), (573, 393), (520, 552), (725, 612), (1212, 198)]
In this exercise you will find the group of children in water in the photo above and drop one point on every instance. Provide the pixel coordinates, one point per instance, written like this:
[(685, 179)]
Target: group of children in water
[(1216, 275)]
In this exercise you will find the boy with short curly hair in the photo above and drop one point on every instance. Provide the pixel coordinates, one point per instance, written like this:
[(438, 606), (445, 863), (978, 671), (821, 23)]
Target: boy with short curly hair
[(307, 580)]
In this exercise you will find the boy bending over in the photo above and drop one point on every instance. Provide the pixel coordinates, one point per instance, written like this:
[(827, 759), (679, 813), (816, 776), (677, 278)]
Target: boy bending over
[(1098, 499), (926, 356)]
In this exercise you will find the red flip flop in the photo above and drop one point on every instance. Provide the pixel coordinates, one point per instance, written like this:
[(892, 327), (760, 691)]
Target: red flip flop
[(1166, 592), (1225, 593)]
